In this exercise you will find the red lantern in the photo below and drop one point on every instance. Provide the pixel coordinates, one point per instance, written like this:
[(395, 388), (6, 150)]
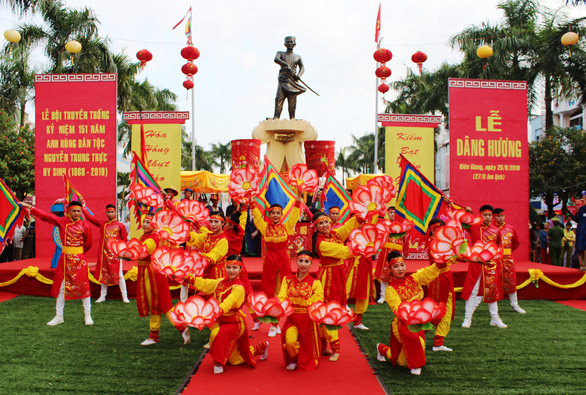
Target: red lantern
[(188, 84), (144, 56), (190, 53), (383, 88), (189, 69), (419, 58), (383, 55), (383, 72)]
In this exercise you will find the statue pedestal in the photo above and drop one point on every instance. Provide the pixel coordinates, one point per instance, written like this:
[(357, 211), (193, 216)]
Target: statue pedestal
[(284, 139)]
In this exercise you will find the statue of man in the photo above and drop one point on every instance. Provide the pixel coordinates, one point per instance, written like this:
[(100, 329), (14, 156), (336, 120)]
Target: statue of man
[(289, 87)]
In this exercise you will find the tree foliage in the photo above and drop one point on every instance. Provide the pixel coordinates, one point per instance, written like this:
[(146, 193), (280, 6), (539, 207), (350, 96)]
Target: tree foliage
[(17, 155)]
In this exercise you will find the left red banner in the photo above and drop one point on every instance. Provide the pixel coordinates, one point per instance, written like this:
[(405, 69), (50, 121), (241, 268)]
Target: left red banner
[(75, 135)]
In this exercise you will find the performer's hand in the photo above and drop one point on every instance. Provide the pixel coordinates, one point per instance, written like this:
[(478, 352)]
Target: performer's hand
[(25, 205)]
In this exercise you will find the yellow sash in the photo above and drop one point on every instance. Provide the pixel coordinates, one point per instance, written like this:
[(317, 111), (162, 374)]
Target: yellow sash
[(507, 251), (72, 250)]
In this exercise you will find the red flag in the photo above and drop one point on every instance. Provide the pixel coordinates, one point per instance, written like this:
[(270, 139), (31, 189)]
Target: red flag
[(377, 30)]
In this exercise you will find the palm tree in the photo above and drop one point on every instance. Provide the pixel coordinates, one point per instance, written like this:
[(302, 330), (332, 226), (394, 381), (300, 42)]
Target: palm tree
[(342, 163), (17, 82), (201, 156), (361, 158), (221, 155)]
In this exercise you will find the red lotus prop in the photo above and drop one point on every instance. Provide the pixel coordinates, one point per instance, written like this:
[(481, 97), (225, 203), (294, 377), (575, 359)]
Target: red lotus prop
[(147, 195), (369, 201), (399, 229), (449, 241), (243, 184), (170, 227), (193, 211), (128, 251), (303, 179), (462, 216), (196, 312), (332, 314), (483, 252), (419, 314), (269, 310), (367, 240), (386, 182), (176, 263)]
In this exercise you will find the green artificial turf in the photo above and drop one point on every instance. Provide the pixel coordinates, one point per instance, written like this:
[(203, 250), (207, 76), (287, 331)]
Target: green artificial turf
[(105, 358), (543, 351)]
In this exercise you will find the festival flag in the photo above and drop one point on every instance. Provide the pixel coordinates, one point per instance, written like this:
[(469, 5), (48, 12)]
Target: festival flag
[(377, 30), (273, 190), (140, 175), (187, 26), (71, 194), (334, 194), (9, 212), (418, 200)]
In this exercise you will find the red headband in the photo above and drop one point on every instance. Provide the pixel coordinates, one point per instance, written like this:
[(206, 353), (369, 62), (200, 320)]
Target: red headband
[(396, 260), (486, 211), (305, 256), (315, 221), (334, 210), (434, 226), (274, 208), (219, 218), (235, 262), (231, 222)]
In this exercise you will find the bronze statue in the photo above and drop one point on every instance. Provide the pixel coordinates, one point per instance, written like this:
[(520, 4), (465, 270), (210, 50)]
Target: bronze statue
[(289, 78)]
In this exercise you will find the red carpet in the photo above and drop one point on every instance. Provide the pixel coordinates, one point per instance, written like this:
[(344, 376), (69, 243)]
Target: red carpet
[(577, 304), (4, 296), (349, 375)]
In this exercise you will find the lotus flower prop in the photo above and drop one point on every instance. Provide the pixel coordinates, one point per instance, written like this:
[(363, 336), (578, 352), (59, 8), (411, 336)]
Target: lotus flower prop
[(369, 201), (386, 182), (449, 242), (170, 227), (399, 229), (129, 251), (243, 184), (147, 195), (303, 179), (193, 211), (463, 217), (196, 312), (269, 310), (483, 252), (330, 314), (419, 314), (176, 263), (367, 240)]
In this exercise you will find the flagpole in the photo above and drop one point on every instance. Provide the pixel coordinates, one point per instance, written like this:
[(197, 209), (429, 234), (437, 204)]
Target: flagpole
[(193, 128), (376, 117)]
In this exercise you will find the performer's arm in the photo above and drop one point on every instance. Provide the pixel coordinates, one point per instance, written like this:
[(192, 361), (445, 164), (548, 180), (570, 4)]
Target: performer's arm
[(317, 292), (393, 299), (45, 216), (243, 218), (426, 275), (515, 240), (293, 218), (235, 299), (205, 285), (197, 239), (259, 222), (283, 291), (218, 252), (150, 244), (345, 230), (87, 232), (91, 219), (334, 250), (123, 234)]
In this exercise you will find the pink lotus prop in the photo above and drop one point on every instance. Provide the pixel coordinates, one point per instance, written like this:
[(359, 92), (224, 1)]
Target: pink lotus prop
[(332, 314), (448, 242), (483, 252), (193, 211), (147, 195), (128, 251), (303, 179), (269, 310), (176, 263), (367, 240), (419, 314), (243, 184), (170, 227), (369, 201), (386, 182), (462, 216), (399, 229), (196, 312)]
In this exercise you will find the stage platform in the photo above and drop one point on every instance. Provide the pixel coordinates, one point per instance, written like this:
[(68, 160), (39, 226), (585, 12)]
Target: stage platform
[(27, 285)]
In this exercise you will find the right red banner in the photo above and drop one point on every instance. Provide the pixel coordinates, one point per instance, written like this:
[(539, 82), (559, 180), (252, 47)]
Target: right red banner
[(489, 150)]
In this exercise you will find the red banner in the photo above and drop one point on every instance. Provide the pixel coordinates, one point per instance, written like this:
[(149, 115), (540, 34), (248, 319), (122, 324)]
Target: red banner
[(489, 151), (75, 135), (320, 155)]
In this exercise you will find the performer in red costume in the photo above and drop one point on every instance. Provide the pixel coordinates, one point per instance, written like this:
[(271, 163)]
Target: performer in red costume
[(108, 271), (406, 348), (483, 281), (300, 337), (441, 290), (334, 214), (382, 271), (71, 276), (152, 288), (229, 337), (360, 285), (277, 263), (329, 245), (510, 242)]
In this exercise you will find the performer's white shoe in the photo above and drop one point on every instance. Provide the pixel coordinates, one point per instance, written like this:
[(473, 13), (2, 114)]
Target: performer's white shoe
[(207, 345), (467, 323), (88, 320), (148, 342), (256, 326), (442, 348), (186, 336), (416, 371), (361, 326), (265, 354), (101, 299), (218, 369), (496, 321), (56, 321), (518, 309), (379, 356), (291, 366), (381, 300), (272, 331), (125, 299)]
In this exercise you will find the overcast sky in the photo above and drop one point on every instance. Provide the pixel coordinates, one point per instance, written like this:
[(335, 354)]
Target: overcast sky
[(237, 79)]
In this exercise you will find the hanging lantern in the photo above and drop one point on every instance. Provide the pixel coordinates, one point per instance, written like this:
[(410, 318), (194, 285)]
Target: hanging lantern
[(190, 53), (382, 55), (188, 84), (570, 38), (189, 69), (383, 72), (383, 88), (419, 58), (12, 36), (144, 56), (484, 52), (73, 47)]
